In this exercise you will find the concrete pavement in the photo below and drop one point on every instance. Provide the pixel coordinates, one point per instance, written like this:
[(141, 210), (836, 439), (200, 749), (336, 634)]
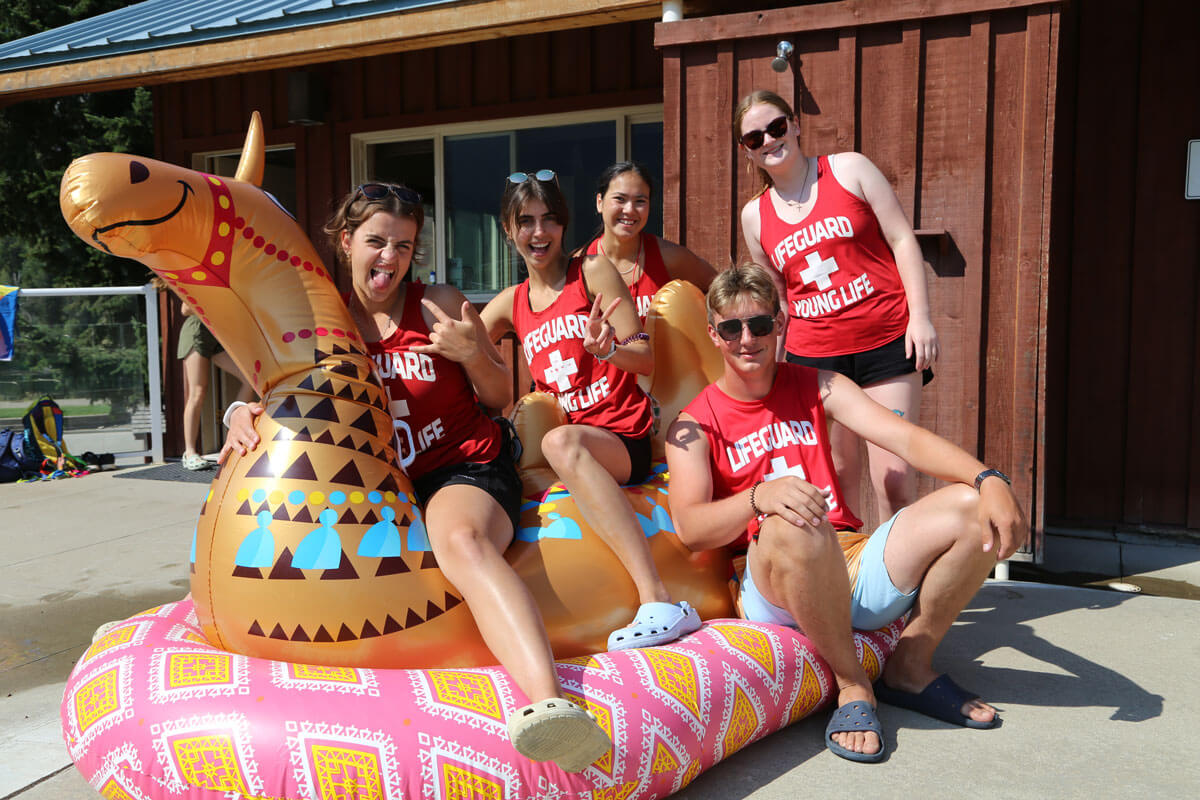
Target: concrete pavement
[(1097, 689)]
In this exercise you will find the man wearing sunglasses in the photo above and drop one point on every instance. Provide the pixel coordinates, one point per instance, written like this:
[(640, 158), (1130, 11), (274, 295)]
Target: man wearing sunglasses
[(751, 469)]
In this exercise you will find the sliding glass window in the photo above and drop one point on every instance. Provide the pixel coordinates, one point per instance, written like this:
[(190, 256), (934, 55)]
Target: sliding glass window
[(460, 171)]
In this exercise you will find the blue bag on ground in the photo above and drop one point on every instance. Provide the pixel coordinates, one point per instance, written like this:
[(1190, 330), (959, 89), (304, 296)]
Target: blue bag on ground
[(12, 455)]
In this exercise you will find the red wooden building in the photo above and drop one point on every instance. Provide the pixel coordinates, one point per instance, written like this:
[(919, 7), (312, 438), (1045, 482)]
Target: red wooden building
[(1040, 149)]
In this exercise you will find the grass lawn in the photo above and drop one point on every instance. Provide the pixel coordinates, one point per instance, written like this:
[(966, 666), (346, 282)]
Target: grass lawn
[(69, 410)]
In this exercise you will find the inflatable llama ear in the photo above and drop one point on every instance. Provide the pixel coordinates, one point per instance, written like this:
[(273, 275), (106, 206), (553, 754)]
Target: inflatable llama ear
[(312, 548)]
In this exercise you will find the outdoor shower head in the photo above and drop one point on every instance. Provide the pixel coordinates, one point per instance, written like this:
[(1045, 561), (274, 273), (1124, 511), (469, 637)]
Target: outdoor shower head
[(783, 56)]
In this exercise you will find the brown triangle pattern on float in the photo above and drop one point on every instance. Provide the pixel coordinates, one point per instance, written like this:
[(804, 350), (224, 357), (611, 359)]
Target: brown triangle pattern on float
[(346, 635), (277, 632), (388, 484), (283, 435), (413, 619), (303, 435), (348, 475), (319, 355), (386, 454), (289, 408), (366, 448), (307, 383), (338, 350), (369, 518), (299, 635), (428, 561), (322, 635), (262, 468), (366, 423), (325, 388), (348, 518), (325, 438), (346, 392), (301, 470), (431, 611), (391, 565), (302, 515), (283, 569), (452, 601), (368, 631), (266, 506), (391, 626), (347, 368), (347, 443), (323, 410), (281, 514), (345, 571), (255, 630), (247, 572)]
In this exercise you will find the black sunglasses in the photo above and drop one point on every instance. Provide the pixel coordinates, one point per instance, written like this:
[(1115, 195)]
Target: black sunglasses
[(378, 191), (759, 325), (542, 175), (752, 140)]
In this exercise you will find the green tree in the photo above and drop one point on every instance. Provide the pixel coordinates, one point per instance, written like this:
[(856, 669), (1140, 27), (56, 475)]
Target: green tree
[(84, 346)]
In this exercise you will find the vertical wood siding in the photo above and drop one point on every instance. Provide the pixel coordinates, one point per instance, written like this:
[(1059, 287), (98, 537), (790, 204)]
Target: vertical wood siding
[(955, 104), (1125, 410)]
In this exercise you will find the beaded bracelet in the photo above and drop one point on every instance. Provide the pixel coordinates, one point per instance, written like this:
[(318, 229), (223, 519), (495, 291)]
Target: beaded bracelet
[(637, 337), (758, 512)]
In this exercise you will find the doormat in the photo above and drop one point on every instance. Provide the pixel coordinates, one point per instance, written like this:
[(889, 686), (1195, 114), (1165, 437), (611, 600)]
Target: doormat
[(172, 471)]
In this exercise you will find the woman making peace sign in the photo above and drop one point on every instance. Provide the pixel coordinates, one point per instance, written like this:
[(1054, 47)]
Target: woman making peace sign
[(584, 345), (437, 363)]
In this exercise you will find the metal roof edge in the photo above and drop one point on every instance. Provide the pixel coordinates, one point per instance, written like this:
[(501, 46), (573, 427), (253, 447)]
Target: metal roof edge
[(63, 52)]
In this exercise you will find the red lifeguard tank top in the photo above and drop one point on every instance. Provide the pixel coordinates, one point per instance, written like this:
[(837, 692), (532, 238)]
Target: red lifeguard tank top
[(589, 391), (654, 273), (433, 404), (844, 293), (782, 434)]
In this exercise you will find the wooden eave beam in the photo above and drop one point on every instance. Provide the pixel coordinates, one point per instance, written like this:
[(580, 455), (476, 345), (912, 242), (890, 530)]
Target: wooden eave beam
[(410, 30), (822, 16)]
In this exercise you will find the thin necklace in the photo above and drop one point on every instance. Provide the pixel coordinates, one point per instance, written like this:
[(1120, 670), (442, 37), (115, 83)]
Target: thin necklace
[(796, 204), (636, 262), (387, 329)]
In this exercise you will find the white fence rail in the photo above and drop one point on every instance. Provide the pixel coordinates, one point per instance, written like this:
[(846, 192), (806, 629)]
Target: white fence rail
[(153, 364)]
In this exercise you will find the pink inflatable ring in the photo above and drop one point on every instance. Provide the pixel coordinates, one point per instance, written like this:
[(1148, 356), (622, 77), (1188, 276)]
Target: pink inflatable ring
[(153, 710)]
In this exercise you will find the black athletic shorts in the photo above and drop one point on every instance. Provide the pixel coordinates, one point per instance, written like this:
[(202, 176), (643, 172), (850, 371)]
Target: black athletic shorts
[(639, 458), (869, 367), (497, 477)]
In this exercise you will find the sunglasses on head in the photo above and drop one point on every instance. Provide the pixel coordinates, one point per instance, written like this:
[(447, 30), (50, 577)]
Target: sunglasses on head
[(378, 191), (542, 175), (752, 140), (759, 325)]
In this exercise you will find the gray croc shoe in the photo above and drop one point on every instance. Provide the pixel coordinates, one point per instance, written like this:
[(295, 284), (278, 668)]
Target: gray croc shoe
[(655, 624)]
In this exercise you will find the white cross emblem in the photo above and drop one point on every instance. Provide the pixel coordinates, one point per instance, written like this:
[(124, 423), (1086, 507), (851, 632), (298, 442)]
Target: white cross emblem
[(779, 468), (560, 371), (819, 270)]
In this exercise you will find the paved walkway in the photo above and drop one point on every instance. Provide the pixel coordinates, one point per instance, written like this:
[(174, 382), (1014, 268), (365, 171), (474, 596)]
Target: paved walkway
[(1098, 689)]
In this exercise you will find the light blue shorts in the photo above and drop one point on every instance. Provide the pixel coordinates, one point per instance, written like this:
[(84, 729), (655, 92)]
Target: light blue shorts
[(874, 599)]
